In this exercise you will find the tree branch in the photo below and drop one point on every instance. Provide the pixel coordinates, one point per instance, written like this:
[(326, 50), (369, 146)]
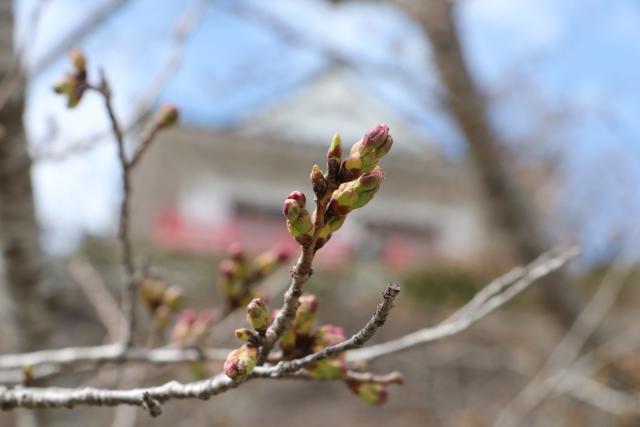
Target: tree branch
[(494, 295)]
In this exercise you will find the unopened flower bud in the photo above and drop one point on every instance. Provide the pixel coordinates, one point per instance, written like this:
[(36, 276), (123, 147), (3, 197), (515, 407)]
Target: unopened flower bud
[(299, 197), (173, 297), (375, 137), (182, 328), (369, 392), (78, 60), (268, 261), (305, 318), (326, 336), (328, 369), (258, 314), (166, 116), (364, 155), (299, 221), (240, 362), (318, 183), (244, 334), (335, 150)]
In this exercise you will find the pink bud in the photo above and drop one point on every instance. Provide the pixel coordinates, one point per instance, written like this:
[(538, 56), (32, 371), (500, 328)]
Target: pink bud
[(299, 197)]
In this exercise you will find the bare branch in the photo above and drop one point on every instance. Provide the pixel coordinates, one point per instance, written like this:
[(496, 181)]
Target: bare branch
[(99, 296), (112, 353), (356, 341), (494, 295)]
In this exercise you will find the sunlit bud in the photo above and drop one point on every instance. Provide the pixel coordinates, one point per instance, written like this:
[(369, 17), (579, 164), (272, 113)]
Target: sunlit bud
[(372, 393), (318, 183), (346, 195), (383, 149), (298, 219), (375, 138), (364, 154), (78, 60), (244, 334), (305, 318), (166, 116), (241, 361), (328, 369), (258, 314), (335, 150), (367, 186), (328, 335)]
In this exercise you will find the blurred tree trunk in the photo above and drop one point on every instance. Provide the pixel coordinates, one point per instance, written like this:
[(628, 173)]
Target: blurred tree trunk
[(21, 259), (507, 204)]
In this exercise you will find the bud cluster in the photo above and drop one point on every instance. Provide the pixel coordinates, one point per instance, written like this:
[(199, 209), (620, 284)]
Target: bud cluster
[(357, 178), (191, 327), (238, 274), (241, 361), (299, 221), (160, 299), (74, 84)]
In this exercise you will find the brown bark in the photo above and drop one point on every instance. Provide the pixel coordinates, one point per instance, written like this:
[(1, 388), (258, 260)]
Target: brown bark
[(507, 204), (21, 258)]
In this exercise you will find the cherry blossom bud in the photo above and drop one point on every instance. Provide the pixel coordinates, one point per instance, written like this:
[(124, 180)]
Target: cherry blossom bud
[(240, 362), (328, 335), (364, 154), (173, 297), (299, 197), (78, 60), (305, 318), (258, 314), (166, 116), (244, 334), (318, 183), (328, 369), (334, 156), (369, 392), (298, 219)]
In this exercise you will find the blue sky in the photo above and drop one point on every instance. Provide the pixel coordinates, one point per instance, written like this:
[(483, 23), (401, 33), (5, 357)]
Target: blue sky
[(537, 60)]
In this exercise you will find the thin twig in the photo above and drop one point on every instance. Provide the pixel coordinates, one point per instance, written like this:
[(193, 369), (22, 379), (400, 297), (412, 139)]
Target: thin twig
[(473, 311)]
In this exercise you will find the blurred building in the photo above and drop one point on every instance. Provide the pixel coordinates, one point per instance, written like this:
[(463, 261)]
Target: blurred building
[(199, 190)]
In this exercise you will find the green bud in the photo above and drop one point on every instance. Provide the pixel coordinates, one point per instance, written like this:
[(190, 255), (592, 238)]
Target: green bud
[(258, 314), (335, 149), (369, 392), (328, 369), (364, 154), (299, 221), (346, 195), (305, 318), (240, 362), (267, 262), (243, 334)]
